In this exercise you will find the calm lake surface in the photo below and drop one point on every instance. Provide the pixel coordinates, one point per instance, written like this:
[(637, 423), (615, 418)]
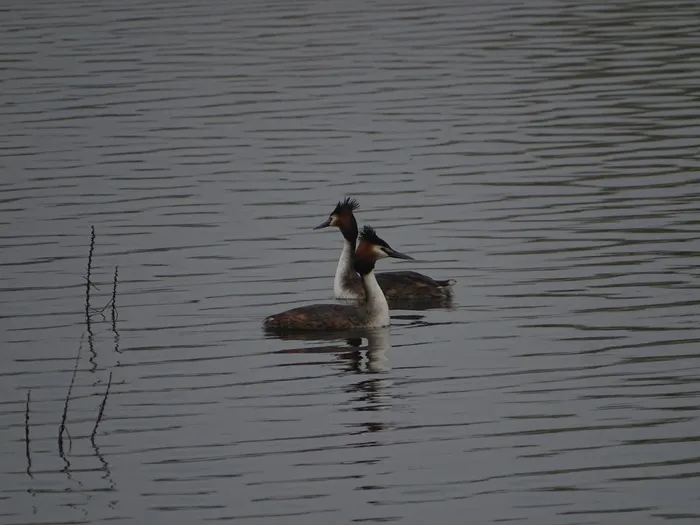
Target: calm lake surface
[(543, 154)]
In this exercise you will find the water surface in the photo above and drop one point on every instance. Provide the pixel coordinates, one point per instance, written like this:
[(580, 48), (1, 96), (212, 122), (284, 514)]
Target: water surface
[(543, 155)]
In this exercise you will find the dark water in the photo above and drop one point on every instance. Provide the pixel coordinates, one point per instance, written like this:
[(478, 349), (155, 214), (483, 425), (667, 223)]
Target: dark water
[(543, 154)]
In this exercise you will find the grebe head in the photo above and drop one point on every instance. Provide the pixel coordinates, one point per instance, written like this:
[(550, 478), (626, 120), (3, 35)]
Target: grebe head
[(371, 249), (343, 218)]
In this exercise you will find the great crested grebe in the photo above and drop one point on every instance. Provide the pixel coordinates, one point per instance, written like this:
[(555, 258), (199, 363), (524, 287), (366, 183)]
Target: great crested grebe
[(395, 285), (373, 312)]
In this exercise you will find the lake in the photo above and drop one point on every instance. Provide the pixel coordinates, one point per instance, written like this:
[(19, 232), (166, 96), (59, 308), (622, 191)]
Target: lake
[(544, 155)]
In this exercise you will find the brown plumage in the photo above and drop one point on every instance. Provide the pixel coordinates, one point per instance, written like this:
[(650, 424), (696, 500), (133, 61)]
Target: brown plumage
[(316, 317), (403, 285)]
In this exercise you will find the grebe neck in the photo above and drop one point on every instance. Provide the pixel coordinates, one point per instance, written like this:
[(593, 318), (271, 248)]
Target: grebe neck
[(375, 303), (344, 272)]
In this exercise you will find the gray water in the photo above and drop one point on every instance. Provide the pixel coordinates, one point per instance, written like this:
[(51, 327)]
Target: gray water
[(543, 154)]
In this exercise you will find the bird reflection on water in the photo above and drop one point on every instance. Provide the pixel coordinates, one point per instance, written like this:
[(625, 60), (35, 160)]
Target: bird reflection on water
[(369, 360), (347, 346)]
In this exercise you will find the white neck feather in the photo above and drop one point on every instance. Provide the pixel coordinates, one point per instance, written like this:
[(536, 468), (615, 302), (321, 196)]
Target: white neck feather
[(343, 273), (375, 303)]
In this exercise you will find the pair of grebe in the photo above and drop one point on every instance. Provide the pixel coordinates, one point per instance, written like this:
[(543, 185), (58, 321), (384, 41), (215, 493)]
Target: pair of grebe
[(355, 279)]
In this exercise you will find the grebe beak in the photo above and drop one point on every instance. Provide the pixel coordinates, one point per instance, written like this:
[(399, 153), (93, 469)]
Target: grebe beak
[(325, 223), (396, 255)]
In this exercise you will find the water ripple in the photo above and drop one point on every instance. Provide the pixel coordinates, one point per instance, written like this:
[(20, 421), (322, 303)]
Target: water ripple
[(543, 157)]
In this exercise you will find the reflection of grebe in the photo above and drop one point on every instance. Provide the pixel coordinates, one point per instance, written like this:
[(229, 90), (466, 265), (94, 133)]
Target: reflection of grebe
[(351, 349), (369, 363), (377, 351), (372, 313), (395, 285)]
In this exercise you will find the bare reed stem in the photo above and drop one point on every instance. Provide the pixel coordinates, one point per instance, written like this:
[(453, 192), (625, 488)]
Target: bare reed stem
[(114, 297), (88, 284), (26, 434)]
